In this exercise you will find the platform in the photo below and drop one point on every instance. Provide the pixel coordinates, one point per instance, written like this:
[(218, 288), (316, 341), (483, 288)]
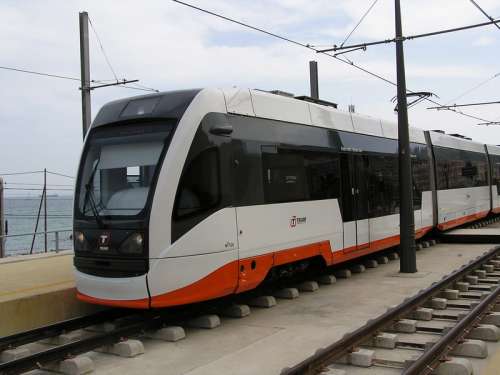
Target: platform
[(37, 290), (489, 235), (268, 340)]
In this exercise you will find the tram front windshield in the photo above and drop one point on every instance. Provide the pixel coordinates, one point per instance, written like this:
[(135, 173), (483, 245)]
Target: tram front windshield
[(119, 167)]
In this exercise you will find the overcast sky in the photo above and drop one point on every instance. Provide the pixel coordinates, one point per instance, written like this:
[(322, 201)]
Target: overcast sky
[(168, 46)]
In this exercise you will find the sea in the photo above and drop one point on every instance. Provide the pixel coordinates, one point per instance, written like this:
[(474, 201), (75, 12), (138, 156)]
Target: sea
[(21, 218)]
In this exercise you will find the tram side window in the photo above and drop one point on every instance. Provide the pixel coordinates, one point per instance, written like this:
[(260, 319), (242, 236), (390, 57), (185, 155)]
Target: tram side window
[(284, 177), (420, 173), (444, 171), (298, 175), (323, 175), (457, 169), (495, 166), (481, 179), (383, 185), (199, 189)]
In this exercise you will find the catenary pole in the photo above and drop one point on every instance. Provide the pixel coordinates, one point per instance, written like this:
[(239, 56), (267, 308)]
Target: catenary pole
[(408, 263), (313, 79), (85, 71)]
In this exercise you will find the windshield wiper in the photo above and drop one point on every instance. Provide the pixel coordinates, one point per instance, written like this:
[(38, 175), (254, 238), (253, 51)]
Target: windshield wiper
[(90, 194), (93, 206)]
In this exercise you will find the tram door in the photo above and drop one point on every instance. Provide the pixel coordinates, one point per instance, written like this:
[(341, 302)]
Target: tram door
[(355, 202)]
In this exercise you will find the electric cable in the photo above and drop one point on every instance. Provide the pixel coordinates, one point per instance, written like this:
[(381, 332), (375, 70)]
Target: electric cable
[(308, 46), (359, 23), (102, 49)]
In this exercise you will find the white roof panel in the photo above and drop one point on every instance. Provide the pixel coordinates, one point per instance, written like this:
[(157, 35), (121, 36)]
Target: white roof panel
[(493, 150), (445, 140), (417, 135), (366, 125), (278, 107), (389, 129), (238, 101), (330, 118), (267, 105)]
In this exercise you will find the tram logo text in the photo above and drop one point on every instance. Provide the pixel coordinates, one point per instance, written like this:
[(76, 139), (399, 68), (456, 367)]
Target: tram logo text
[(104, 241), (294, 221)]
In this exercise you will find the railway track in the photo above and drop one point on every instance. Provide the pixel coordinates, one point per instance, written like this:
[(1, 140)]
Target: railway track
[(435, 330), (60, 328), (59, 347), (67, 340)]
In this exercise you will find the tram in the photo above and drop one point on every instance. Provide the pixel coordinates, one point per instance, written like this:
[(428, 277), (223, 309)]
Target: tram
[(186, 196)]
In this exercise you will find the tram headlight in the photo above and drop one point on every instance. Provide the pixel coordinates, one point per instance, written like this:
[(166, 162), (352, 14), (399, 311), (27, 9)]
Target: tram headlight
[(81, 243), (134, 244)]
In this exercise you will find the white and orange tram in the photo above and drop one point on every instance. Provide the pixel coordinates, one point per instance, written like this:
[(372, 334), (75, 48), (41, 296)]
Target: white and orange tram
[(187, 196)]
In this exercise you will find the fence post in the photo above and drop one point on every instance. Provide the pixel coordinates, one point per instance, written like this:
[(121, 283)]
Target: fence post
[(57, 241), (2, 221), (45, 206)]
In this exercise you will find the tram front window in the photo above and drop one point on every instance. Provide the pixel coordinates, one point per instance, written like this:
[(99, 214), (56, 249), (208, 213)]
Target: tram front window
[(118, 170)]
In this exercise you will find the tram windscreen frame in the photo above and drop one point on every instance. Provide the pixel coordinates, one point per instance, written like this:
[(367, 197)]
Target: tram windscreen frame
[(119, 169)]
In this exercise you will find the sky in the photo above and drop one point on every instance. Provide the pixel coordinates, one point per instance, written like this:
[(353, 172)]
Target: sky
[(168, 46)]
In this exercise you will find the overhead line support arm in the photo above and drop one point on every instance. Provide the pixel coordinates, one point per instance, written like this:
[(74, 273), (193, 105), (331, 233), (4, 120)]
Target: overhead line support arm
[(403, 38)]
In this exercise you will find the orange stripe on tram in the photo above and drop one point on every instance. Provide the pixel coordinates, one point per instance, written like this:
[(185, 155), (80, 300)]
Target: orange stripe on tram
[(462, 220), (240, 276), (133, 304)]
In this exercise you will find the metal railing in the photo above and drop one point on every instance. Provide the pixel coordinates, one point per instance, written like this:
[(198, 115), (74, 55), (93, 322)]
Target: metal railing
[(41, 216), (57, 239)]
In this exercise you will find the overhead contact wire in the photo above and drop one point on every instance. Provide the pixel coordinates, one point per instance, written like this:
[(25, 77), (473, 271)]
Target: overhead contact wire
[(474, 88), (102, 50), (308, 46), (359, 23), (484, 12)]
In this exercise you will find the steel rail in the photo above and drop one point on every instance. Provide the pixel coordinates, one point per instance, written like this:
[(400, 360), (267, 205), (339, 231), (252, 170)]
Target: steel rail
[(58, 353), (429, 361), (139, 322), (354, 339), (52, 330)]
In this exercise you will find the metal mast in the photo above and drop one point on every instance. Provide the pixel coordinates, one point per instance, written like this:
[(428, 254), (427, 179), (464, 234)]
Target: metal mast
[(408, 262), (85, 71)]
